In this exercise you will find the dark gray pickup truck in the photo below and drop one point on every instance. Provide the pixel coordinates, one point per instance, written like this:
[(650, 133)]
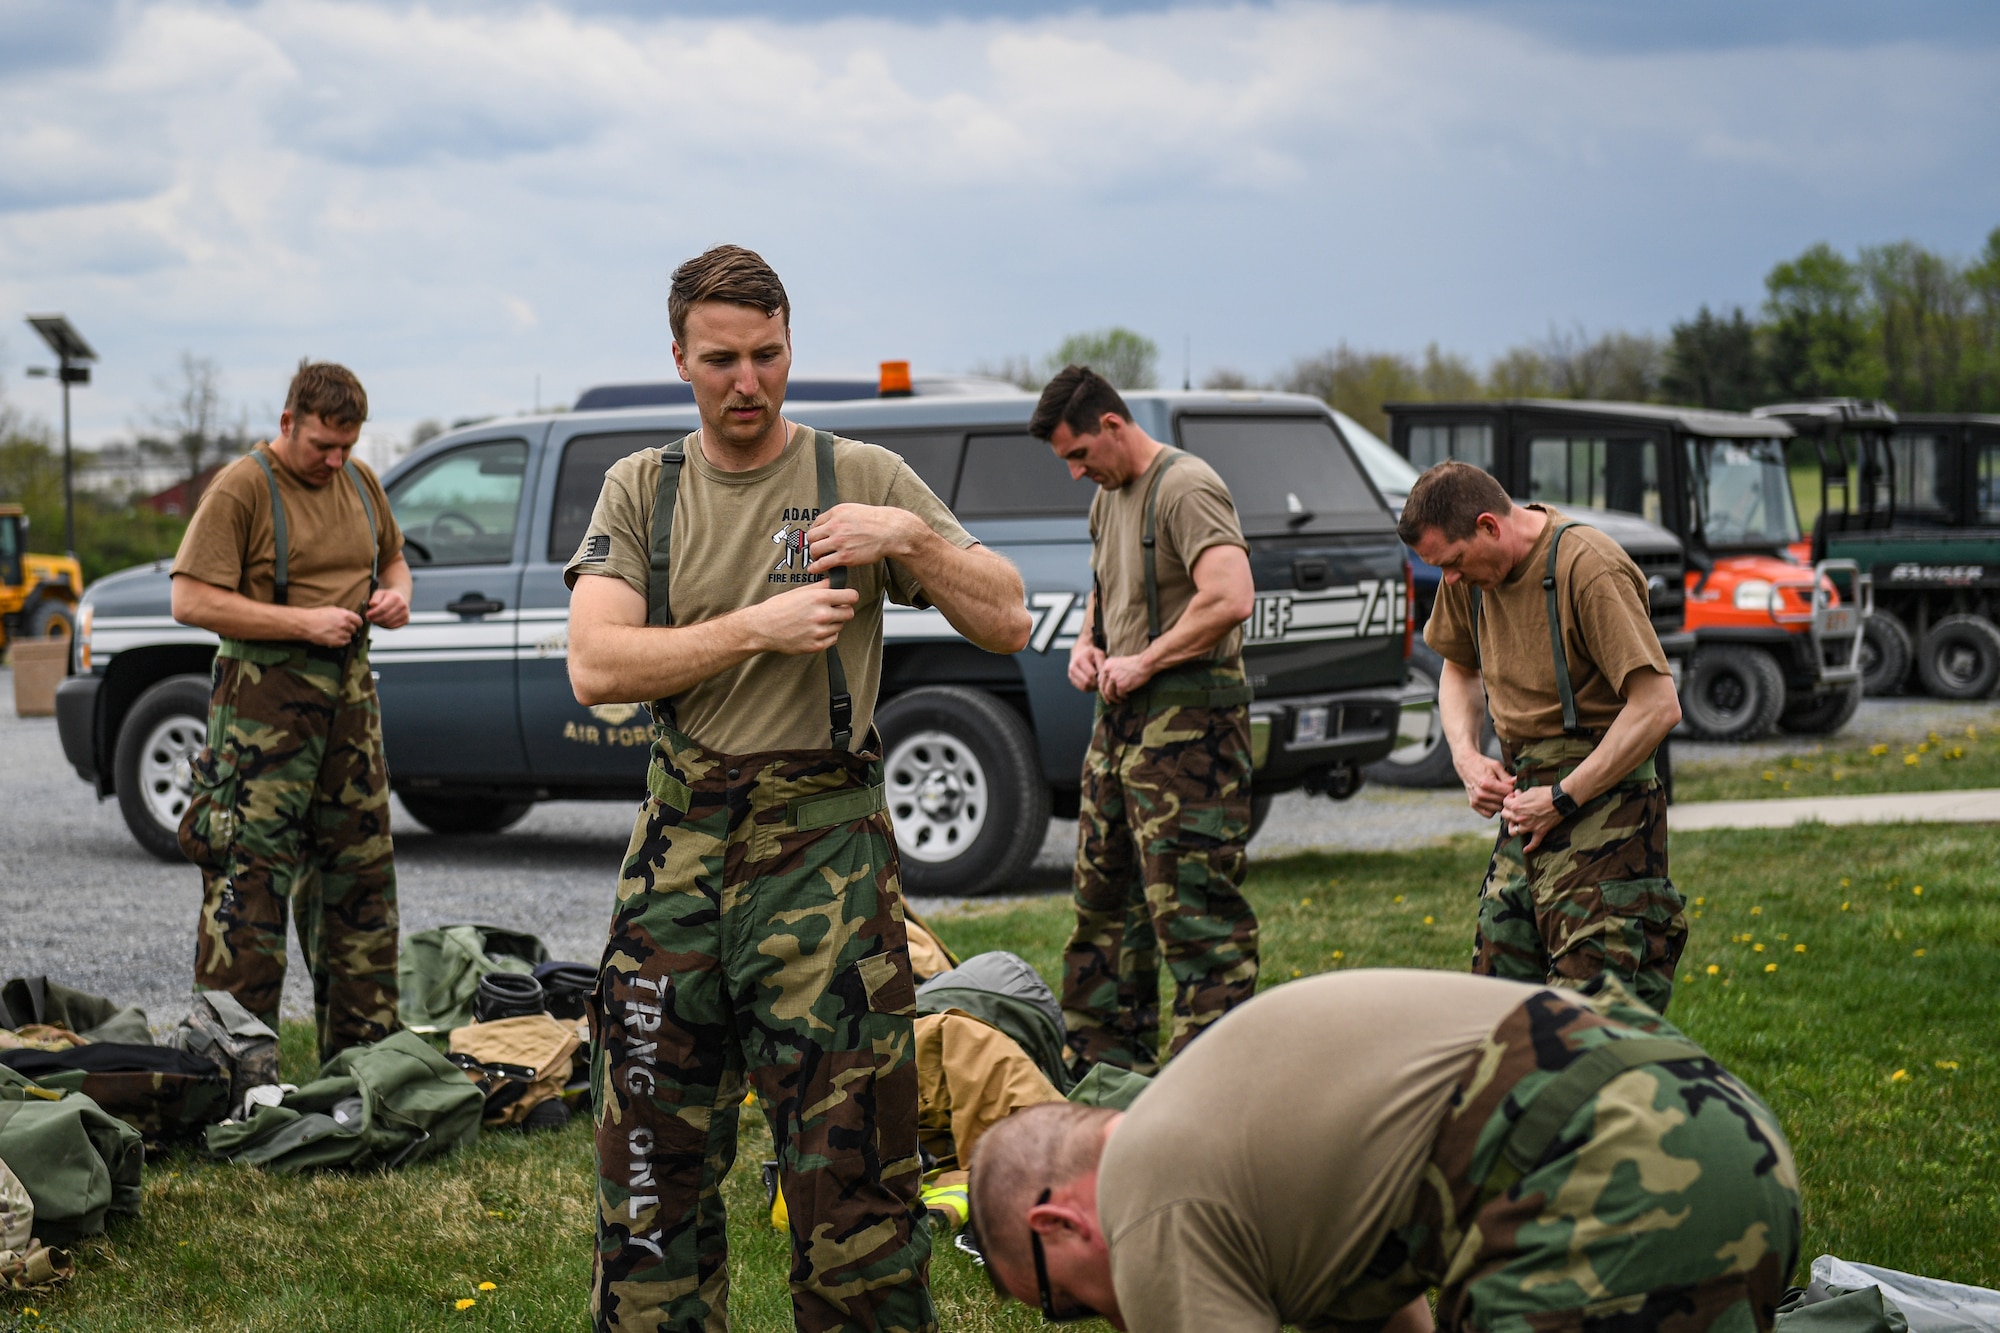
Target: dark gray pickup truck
[(476, 707)]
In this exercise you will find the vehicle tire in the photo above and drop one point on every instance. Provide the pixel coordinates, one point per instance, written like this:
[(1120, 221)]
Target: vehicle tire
[(1425, 763), (1733, 693), (965, 790), (452, 815), (50, 619), (1886, 651), (1260, 810), (1821, 714), (161, 735), (1960, 658)]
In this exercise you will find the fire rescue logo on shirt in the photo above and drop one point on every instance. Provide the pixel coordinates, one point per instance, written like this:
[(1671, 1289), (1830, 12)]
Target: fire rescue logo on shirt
[(791, 539)]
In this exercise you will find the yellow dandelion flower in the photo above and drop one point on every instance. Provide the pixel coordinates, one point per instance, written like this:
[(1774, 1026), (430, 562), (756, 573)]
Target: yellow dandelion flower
[(1845, 906), (491, 1213), (1687, 976), (1838, 775), (1924, 748), (1784, 935), (1845, 882), (1713, 969), (1701, 902), (1756, 948), (1798, 948), (1398, 898), (1338, 955), (1918, 890), (1295, 972), (1918, 954), (1770, 967), (1430, 921), (1697, 916), (1756, 911), (1911, 760), (1945, 1064), (1784, 786), (32, 1312), (1769, 776), (1305, 902), (1878, 750), (466, 1303), (487, 1286), (1900, 1076)]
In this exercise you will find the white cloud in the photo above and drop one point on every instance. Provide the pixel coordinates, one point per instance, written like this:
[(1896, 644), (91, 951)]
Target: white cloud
[(458, 198)]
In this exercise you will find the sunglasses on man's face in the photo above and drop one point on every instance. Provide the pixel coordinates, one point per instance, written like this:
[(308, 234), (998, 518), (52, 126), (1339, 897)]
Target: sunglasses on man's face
[(1069, 1314)]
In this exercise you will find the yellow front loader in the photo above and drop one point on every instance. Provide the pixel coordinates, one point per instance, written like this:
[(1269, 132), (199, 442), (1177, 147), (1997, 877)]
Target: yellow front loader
[(38, 593)]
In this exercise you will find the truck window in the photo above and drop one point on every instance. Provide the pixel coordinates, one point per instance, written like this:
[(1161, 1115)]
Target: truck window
[(1743, 492), (1602, 473), (932, 456), (1924, 483), (1989, 484), (1286, 474), (460, 508), (1017, 476), (584, 462), (1468, 442)]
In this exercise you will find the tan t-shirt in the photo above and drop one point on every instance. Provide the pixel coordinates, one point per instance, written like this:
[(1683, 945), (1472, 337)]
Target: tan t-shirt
[(1607, 633), (739, 538), (1195, 513), (1256, 1178), (230, 542)]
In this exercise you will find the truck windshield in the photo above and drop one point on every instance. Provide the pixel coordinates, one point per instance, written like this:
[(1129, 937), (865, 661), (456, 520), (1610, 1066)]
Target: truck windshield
[(1743, 492)]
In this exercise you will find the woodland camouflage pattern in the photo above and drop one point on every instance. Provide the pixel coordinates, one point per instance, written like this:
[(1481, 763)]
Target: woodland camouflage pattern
[(1593, 898), (1669, 1202), (746, 950), (1165, 814), (291, 807)]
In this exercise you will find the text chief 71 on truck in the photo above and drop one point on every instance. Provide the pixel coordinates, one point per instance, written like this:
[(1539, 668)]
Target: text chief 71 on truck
[(477, 713)]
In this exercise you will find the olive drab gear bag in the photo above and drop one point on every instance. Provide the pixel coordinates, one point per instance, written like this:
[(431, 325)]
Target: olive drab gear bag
[(77, 1162), (27, 1001), (517, 1063), (163, 1093), (25, 1263), (220, 1029), (373, 1107), (439, 971), (1002, 989)]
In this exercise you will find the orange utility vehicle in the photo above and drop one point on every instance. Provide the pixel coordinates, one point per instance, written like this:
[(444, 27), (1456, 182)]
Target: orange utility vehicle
[(1776, 645)]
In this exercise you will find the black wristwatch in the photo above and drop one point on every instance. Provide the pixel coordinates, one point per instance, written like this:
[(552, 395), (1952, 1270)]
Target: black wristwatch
[(1564, 803)]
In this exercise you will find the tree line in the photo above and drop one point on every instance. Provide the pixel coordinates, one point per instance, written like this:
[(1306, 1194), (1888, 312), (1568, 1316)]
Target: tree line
[(1899, 322)]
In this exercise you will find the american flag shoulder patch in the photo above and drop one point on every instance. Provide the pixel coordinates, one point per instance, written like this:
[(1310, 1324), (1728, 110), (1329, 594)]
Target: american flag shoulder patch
[(596, 549)]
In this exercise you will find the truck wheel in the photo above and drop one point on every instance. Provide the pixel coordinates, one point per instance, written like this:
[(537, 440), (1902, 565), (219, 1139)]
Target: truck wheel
[(1424, 763), (1960, 658), (1885, 655), (1732, 693), (49, 620), (159, 738), (448, 815), (965, 790), (1821, 714)]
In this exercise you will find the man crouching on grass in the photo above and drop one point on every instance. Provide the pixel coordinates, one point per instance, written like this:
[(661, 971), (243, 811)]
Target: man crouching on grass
[(1338, 1146)]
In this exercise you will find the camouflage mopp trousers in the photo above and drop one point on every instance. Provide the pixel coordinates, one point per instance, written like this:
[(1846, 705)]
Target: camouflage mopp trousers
[(1649, 1192), (1594, 898), (290, 810), (1164, 817), (758, 939)]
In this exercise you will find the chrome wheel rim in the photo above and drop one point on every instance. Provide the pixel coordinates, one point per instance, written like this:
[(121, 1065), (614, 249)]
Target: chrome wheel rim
[(165, 779), (937, 796)]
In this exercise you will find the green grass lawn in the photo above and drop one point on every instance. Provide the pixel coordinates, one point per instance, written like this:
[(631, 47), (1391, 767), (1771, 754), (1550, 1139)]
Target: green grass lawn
[(1862, 1009), (1966, 757)]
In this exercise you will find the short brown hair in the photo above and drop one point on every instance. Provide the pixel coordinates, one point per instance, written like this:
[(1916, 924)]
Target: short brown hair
[(327, 391), (1078, 397), (1450, 497), (726, 273)]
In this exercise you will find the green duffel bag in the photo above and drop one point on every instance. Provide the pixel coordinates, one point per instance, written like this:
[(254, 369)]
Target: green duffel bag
[(439, 971), (77, 1161), (372, 1107), (26, 1000)]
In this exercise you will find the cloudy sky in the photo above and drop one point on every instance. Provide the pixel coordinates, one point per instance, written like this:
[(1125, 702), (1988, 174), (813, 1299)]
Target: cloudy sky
[(459, 196)]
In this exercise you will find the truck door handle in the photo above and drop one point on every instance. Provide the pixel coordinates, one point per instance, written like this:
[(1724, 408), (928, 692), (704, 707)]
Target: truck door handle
[(1309, 574), (474, 604)]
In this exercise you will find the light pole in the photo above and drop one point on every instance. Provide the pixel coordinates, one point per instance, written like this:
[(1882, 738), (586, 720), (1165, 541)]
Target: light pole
[(73, 358)]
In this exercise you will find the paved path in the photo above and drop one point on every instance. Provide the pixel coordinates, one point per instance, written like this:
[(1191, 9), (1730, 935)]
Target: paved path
[(1914, 807)]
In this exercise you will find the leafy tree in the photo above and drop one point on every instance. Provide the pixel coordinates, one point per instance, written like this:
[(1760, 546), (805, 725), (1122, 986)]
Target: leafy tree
[(1016, 370), (1615, 366), (111, 532), (1921, 303), (1519, 372), (1129, 360), (195, 434), (1715, 362), (1819, 326)]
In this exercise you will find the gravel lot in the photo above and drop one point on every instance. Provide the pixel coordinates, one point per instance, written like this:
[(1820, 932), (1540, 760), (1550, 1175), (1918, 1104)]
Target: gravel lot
[(82, 904)]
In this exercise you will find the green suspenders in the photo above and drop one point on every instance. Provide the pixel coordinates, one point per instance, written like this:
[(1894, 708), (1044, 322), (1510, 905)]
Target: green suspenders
[(281, 574), (840, 704), (1563, 687), (1149, 562)]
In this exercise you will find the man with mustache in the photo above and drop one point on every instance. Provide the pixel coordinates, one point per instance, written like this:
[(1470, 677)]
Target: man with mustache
[(758, 935)]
